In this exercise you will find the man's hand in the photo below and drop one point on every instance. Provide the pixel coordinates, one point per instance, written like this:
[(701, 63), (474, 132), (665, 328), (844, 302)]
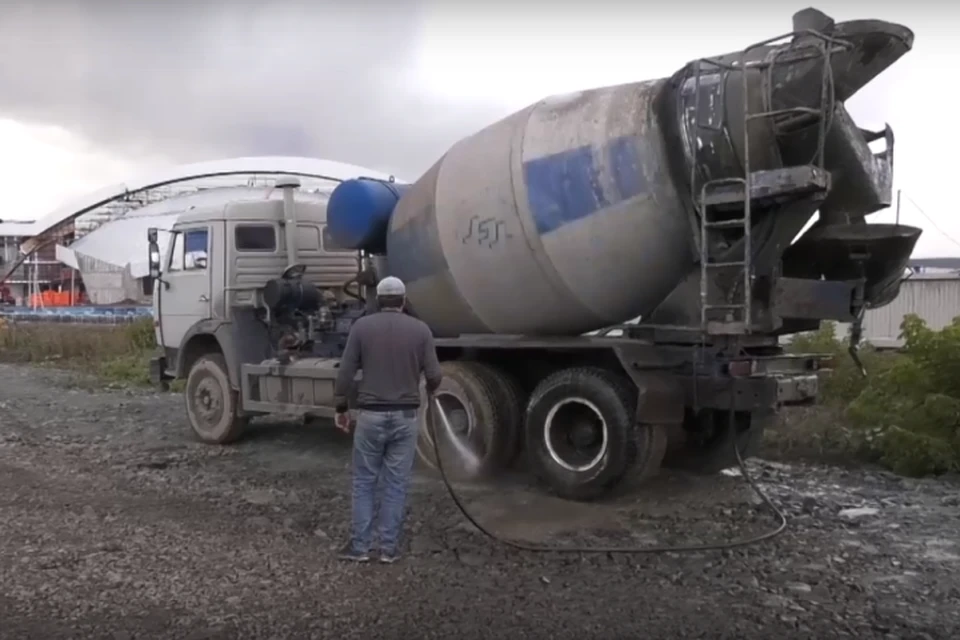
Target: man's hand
[(342, 420)]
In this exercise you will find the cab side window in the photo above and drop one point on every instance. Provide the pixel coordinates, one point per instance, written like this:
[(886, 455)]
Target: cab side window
[(330, 246), (195, 249), (255, 237)]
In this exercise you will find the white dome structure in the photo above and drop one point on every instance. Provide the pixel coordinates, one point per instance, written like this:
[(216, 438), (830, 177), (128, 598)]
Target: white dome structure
[(111, 224)]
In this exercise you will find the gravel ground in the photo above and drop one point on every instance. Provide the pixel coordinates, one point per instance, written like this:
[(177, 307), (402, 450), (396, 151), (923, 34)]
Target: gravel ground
[(115, 524)]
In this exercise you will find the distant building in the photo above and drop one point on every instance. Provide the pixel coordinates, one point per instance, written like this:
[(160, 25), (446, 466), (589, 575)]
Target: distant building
[(42, 271), (112, 258), (934, 265), (98, 242)]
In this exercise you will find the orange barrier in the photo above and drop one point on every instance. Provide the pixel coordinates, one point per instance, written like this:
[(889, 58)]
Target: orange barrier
[(57, 299)]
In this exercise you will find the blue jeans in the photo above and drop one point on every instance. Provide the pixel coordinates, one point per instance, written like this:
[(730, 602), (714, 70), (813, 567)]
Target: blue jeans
[(384, 448)]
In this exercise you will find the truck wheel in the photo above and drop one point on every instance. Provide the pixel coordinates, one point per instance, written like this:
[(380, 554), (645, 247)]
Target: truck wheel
[(478, 445), (654, 441), (582, 434), (707, 447), (212, 404), (511, 402)]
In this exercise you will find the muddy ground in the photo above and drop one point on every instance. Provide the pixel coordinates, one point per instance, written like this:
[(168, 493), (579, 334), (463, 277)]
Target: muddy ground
[(115, 524)]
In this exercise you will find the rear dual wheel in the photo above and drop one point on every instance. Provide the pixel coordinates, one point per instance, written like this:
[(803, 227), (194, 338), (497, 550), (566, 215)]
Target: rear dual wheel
[(580, 429), (483, 410), (582, 434)]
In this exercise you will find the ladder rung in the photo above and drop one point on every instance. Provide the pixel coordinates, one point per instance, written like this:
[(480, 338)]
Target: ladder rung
[(725, 224), (729, 307), (724, 265), (727, 328), (783, 112)]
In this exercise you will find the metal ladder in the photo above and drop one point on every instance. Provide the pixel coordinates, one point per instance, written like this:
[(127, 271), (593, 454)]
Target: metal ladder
[(739, 319)]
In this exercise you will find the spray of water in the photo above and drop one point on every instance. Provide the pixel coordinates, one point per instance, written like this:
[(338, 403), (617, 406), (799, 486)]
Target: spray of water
[(469, 462)]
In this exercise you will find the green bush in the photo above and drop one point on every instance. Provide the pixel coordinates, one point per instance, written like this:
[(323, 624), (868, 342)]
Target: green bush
[(906, 413), (843, 382), (910, 413)]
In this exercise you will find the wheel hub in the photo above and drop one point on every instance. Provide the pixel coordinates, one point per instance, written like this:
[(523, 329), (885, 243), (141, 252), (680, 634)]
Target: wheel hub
[(583, 435), (575, 434), (208, 401)]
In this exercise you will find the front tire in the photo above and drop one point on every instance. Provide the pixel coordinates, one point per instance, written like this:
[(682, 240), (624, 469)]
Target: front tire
[(212, 404)]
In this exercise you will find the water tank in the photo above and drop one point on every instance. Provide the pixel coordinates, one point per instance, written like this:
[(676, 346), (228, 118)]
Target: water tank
[(559, 219), (358, 213)]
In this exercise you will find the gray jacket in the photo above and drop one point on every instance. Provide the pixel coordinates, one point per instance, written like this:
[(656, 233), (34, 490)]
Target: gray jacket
[(393, 350)]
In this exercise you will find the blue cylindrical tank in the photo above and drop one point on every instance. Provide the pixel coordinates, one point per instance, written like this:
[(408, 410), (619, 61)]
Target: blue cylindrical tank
[(558, 219), (358, 213)]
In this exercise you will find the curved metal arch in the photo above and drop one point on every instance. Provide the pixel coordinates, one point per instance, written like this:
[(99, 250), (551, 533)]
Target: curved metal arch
[(263, 165)]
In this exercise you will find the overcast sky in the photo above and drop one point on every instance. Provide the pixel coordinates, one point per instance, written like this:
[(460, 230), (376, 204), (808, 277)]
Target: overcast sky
[(94, 91)]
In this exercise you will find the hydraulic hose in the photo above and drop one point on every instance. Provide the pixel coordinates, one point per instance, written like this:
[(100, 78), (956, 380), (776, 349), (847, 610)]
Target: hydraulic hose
[(435, 410)]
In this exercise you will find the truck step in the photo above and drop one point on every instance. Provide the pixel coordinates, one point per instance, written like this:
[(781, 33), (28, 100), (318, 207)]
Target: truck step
[(770, 184), (724, 265)]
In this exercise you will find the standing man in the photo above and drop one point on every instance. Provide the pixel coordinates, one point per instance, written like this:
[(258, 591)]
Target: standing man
[(393, 350)]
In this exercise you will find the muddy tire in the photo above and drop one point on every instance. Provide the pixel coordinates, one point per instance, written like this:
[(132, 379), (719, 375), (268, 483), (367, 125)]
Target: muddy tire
[(652, 448), (706, 446), (479, 445), (212, 404), (511, 405), (582, 436)]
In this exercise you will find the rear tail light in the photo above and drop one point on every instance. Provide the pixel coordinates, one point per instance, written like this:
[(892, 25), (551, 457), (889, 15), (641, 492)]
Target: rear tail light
[(741, 368)]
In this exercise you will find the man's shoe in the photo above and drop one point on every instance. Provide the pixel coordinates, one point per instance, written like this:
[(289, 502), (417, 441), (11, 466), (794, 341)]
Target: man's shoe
[(389, 557), (348, 554)]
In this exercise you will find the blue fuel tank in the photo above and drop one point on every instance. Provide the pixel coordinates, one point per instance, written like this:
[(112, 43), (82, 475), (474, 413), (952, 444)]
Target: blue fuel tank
[(359, 211)]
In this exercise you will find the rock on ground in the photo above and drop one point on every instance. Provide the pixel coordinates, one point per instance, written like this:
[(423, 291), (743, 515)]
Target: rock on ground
[(114, 523)]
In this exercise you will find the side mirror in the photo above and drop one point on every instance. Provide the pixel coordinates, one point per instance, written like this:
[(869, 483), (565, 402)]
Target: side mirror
[(153, 258)]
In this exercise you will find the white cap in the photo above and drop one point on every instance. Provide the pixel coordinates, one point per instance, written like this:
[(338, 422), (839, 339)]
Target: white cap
[(391, 286)]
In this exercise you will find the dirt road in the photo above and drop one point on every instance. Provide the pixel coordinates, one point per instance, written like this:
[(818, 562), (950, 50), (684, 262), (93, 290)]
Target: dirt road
[(115, 524)]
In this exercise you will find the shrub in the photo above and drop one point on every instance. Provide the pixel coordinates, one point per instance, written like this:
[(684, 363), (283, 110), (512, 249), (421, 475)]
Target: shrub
[(910, 413), (906, 413), (116, 353), (844, 381)]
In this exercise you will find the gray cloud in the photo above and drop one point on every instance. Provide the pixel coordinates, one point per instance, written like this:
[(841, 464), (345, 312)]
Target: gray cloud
[(200, 80)]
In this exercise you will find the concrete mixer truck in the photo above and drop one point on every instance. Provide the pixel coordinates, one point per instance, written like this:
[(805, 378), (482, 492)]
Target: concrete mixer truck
[(607, 273)]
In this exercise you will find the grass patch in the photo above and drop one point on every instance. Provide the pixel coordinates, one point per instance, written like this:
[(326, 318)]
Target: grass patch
[(116, 354)]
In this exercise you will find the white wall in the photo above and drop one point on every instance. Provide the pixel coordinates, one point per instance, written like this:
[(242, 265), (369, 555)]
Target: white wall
[(933, 297)]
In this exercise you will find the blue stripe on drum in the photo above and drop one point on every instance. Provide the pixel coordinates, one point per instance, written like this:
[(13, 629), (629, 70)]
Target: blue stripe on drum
[(566, 187)]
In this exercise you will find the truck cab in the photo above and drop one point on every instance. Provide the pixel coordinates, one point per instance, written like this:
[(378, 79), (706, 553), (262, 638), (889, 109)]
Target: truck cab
[(208, 298)]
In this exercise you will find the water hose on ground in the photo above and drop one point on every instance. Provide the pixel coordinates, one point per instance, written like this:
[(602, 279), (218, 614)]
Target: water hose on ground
[(435, 411)]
